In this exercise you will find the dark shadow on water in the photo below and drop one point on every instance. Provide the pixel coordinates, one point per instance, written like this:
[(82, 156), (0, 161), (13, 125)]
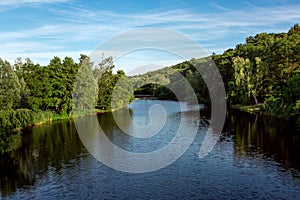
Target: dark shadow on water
[(42, 147), (53, 152), (264, 136)]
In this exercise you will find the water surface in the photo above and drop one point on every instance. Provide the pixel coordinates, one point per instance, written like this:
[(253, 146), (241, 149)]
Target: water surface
[(256, 157)]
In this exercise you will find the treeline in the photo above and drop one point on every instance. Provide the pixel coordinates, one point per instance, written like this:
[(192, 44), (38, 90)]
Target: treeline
[(30, 93), (264, 71)]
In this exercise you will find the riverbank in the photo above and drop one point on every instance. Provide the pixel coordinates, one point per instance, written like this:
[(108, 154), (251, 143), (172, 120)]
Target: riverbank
[(249, 109), (54, 154), (15, 120), (259, 109), (74, 115)]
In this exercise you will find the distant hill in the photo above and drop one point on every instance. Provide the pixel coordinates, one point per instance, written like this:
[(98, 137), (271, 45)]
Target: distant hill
[(264, 71)]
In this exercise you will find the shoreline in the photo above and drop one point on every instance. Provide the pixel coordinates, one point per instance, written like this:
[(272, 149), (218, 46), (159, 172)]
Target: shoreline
[(57, 117), (73, 116), (251, 109), (256, 109), (16, 132)]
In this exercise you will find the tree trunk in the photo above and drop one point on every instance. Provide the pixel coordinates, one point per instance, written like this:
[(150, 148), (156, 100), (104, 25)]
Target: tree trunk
[(255, 99)]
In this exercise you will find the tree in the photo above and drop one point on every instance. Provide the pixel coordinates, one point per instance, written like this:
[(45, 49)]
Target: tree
[(85, 87), (70, 69), (294, 30), (56, 97), (122, 93), (291, 91), (9, 87), (32, 75), (106, 82), (24, 90), (248, 78)]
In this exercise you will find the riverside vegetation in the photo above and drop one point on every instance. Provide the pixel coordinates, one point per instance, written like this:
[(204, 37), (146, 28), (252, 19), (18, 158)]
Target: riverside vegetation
[(33, 94), (262, 75)]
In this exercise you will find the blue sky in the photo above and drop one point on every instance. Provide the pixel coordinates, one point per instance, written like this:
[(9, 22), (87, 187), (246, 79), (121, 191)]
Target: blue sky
[(41, 29)]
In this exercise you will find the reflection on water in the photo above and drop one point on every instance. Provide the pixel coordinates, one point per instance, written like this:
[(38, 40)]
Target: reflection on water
[(9, 141), (256, 157), (265, 137), (42, 148)]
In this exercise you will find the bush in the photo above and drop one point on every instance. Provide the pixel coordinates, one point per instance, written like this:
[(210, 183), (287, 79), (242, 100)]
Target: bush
[(297, 107), (273, 105), (15, 119)]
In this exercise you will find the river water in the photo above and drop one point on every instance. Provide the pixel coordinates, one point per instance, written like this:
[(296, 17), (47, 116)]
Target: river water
[(256, 157)]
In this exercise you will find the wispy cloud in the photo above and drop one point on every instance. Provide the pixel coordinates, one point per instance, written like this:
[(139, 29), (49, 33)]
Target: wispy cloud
[(75, 28), (184, 20), (16, 3), (182, 15), (219, 7)]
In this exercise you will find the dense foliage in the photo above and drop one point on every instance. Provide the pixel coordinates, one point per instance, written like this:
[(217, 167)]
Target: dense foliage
[(30, 93), (264, 71)]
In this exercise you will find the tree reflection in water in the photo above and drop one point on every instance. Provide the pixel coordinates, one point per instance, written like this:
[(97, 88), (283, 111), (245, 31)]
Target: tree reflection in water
[(54, 151), (267, 137)]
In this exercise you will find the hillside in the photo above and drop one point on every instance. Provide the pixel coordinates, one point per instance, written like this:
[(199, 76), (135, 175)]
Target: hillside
[(263, 71)]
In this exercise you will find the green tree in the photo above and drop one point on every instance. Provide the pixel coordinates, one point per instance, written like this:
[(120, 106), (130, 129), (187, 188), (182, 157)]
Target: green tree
[(106, 82), (122, 93), (85, 87), (56, 97), (248, 79), (291, 92), (10, 87), (70, 69)]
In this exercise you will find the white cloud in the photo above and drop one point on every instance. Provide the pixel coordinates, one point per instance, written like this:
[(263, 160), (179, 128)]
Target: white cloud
[(74, 27), (218, 6), (252, 16), (16, 3)]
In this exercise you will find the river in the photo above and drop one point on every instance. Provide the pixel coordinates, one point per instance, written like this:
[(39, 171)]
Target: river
[(256, 157)]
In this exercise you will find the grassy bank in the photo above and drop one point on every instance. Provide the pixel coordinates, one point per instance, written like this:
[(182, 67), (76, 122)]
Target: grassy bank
[(20, 118), (15, 120), (12, 121), (250, 109), (260, 109)]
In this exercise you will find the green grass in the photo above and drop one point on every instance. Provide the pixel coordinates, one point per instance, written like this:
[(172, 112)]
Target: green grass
[(249, 108), (259, 108)]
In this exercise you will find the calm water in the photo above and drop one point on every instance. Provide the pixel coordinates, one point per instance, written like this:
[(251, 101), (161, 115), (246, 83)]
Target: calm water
[(256, 158)]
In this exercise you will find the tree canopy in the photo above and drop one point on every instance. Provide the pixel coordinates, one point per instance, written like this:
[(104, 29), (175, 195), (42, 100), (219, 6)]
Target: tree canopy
[(264, 70), (30, 92)]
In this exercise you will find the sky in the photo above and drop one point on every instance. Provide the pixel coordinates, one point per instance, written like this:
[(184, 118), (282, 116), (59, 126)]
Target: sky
[(42, 29)]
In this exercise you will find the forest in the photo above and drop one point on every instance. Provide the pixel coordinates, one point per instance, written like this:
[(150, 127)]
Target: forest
[(32, 94), (262, 73)]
